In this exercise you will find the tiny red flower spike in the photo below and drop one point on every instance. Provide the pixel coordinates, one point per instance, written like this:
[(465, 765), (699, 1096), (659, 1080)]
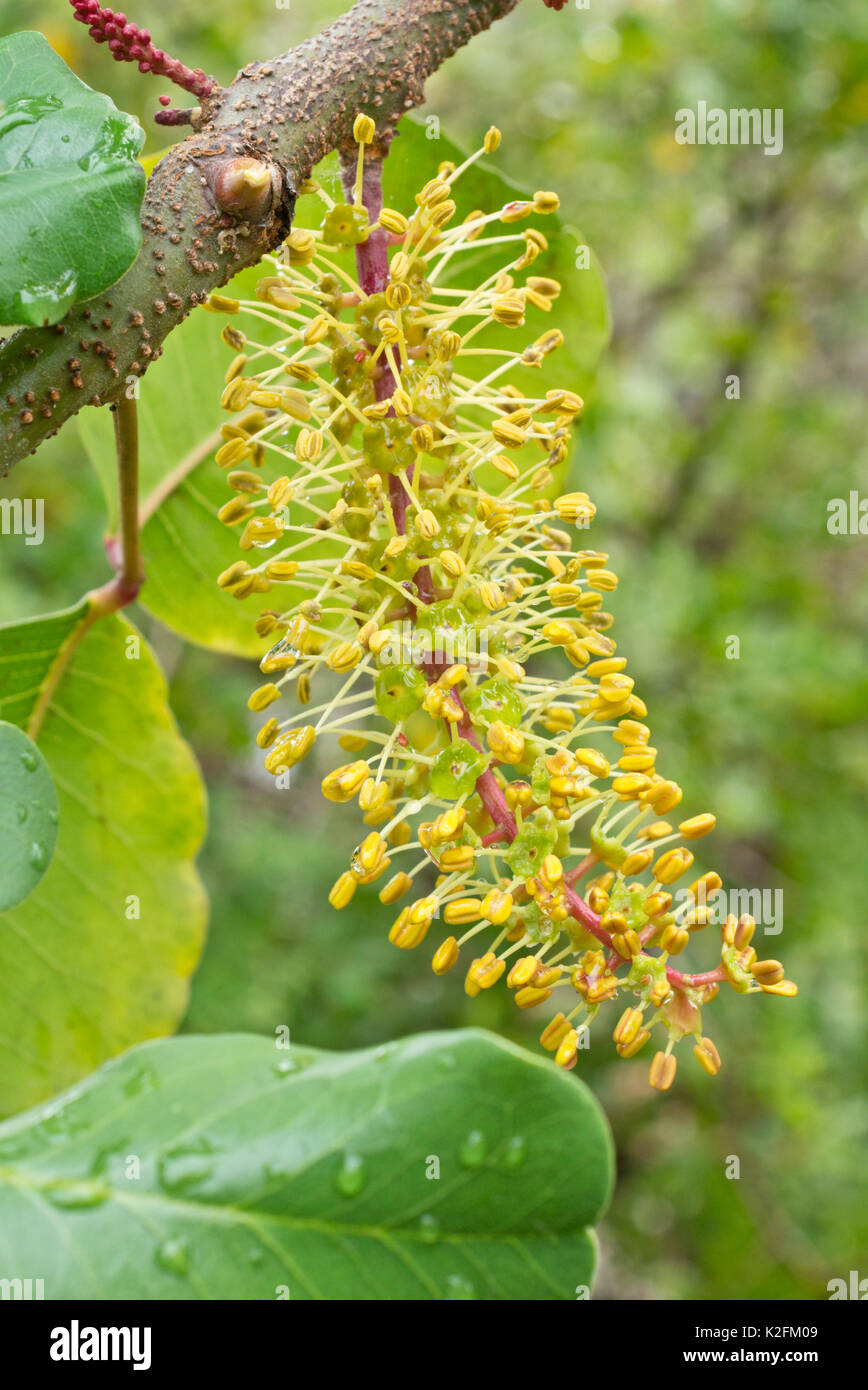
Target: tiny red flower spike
[(555, 4), (130, 44)]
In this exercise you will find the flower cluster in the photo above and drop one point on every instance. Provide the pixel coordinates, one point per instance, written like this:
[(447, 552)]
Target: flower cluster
[(128, 43), (448, 623)]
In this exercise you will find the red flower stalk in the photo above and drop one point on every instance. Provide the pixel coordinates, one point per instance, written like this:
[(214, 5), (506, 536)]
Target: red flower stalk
[(130, 44)]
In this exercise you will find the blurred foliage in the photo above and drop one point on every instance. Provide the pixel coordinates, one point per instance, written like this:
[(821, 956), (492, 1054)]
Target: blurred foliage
[(721, 261)]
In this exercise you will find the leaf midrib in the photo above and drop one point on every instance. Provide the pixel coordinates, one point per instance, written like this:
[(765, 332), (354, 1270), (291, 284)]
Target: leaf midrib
[(226, 1212)]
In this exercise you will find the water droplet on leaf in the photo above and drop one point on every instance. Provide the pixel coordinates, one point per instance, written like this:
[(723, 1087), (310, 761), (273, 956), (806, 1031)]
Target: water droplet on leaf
[(38, 856), (457, 1287), (429, 1228), (516, 1152), (173, 1256), (352, 1176), (77, 1195), (474, 1150)]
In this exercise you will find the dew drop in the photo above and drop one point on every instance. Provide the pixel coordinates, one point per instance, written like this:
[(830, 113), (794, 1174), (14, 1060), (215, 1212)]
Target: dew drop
[(140, 1083), (30, 760), (38, 857), (457, 1287), (21, 813), (77, 1195), (284, 1067), (186, 1167), (474, 1149), (173, 1256), (352, 1176), (515, 1152), (429, 1228)]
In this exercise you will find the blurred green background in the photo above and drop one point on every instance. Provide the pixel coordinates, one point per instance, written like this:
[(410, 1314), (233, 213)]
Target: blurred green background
[(721, 261)]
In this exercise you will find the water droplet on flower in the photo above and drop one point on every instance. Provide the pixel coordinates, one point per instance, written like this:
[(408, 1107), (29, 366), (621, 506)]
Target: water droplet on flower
[(474, 1150), (352, 1176)]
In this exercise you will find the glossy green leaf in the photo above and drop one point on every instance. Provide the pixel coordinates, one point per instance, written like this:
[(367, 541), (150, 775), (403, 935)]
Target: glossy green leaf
[(223, 1167), (100, 954), (28, 815), (70, 185)]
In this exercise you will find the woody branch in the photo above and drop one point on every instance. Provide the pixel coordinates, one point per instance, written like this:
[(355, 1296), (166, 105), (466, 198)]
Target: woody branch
[(222, 198)]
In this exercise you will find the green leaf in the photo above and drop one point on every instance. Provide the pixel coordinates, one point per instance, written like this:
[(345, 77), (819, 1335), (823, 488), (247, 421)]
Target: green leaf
[(70, 185), (28, 815), (100, 955), (445, 1166), (184, 546)]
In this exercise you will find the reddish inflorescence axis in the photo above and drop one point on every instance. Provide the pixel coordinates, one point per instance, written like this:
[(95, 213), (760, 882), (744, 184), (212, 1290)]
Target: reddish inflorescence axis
[(128, 43)]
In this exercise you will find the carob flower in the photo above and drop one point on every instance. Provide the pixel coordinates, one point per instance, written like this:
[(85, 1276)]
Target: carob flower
[(450, 625)]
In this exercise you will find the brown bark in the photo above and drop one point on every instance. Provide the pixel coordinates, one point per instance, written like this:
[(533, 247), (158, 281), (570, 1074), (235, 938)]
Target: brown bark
[(200, 228)]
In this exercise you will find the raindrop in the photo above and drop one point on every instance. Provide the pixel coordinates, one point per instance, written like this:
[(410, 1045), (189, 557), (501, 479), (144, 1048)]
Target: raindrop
[(38, 856), (474, 1149), (457, 1287), (516, 1152), (76, 1195), (352, 1176), (173, 1256), (141, 1081), (429, 1228), (187, 1166)]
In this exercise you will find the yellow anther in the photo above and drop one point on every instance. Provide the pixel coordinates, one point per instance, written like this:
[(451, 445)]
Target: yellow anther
[(445, 956), (662, 1072), (707, 1056), (462, 911), (342, 890)]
